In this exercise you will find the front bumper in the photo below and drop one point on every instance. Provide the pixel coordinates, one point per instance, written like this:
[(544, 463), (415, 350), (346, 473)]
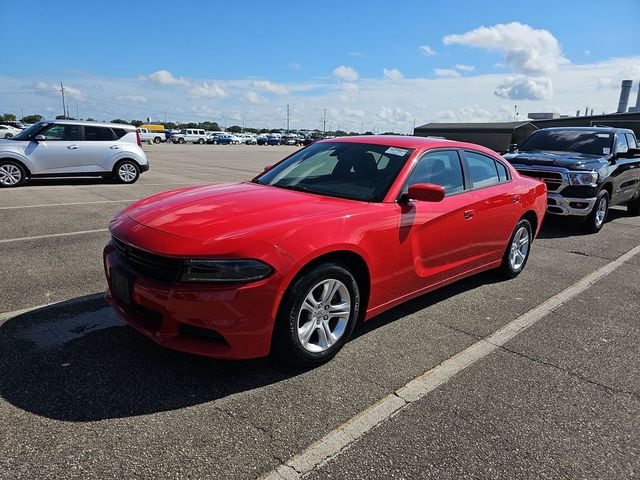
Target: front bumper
[(225, 322), (560, 205)]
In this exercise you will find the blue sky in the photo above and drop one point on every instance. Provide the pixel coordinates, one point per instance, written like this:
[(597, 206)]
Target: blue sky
[(214, 54)]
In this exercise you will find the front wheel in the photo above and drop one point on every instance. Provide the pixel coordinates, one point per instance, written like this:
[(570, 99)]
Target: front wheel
[(181, 140), (518, 249), (317, 315), (12, 174), (201, 142), (126, 171), (595, 220)]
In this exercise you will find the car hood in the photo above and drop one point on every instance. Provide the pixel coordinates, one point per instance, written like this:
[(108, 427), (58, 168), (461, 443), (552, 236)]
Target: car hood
[(573, 160), (232, 211)]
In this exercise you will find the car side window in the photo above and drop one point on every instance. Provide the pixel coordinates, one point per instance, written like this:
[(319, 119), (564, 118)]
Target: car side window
[(482, 169), (503, 172), (631, 140), (98, 134), (57, 132), (442, 167), (621, 144)]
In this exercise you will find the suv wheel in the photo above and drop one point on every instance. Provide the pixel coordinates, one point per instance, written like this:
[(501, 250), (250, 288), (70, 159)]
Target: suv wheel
[(201, 142), (181, 140), (12, 174), (518, 249), (595, 220), (317, 315), (126, 171)]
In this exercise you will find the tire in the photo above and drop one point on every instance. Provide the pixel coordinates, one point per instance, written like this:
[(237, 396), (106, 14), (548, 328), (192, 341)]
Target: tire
[(200, 142), (300, 334), (156, 140), (12, 174), (126, 171), (181, 140), (518, 249), (595, 220), (8, 135), (633, 207)]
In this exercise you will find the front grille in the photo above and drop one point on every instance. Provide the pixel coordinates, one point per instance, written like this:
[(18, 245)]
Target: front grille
[(154, 267), (553, 180)]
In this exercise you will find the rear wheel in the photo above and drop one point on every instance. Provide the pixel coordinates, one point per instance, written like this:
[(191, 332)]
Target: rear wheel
[(317, 315), (201, 142), (181, 140), (126, 171), (595, 220), (12, 174), (156, 140), (517, 253)]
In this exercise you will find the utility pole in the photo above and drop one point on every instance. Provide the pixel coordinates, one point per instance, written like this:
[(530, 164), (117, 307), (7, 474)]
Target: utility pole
[(64, 108), (77, 112), (324, 121), (287, 118)]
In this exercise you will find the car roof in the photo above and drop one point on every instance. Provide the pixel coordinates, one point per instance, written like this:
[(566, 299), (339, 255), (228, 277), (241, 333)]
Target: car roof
[(126, 126), (404, 141), (602, 129)]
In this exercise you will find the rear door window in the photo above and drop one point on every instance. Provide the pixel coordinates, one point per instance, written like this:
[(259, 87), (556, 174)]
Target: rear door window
[(98, 134), (482, 169), (631, 140), (621, 144)]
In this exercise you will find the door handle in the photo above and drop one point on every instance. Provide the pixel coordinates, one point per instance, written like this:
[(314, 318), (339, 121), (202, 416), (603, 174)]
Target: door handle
[(73, 147), (468, 214), (516, 198), (114, 147)]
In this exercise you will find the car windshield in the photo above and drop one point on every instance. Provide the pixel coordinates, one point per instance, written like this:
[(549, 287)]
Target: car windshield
[(27, 132), (357, 171), (591, 143)]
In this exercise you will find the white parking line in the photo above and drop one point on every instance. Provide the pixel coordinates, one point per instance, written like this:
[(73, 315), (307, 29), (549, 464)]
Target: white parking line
[(350, 432), (69, 203), (53, 235)]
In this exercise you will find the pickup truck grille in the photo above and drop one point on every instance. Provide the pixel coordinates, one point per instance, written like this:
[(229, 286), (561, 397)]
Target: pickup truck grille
[(149, 265), (553, 180)]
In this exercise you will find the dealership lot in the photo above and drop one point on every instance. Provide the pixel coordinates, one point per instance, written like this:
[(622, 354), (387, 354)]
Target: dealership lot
[(85, 396)]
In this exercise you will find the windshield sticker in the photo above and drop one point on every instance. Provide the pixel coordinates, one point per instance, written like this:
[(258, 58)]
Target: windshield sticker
[(401, 152), (606, 150), (602, 135)]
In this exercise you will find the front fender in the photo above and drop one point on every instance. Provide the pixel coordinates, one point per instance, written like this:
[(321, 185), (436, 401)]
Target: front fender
[(18, 157)]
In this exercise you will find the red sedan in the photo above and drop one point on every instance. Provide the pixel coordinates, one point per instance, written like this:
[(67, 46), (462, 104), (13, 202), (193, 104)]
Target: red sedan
[(335, 233)]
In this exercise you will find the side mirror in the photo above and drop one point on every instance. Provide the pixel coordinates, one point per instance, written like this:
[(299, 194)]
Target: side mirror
[(426, 192), (513, 148), (40, 138)]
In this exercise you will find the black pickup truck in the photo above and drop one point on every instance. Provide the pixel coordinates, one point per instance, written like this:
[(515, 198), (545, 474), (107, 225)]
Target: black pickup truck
[(586, 170)]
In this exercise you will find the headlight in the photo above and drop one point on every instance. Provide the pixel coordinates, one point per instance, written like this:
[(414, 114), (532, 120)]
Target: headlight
[(225, 271), (583, 178)]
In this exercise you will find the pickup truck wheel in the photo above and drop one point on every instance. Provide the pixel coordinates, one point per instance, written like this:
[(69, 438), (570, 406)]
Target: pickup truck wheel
[(12, 174), (317, 315), (633, 207), (156, 140), (126, 171), (517, 253), (595, 220)]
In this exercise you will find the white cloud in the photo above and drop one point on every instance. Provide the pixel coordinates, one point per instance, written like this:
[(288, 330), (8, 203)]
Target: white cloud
[(204, 111), (446, 72), (165, 77), (345, 73), (525, 88), (392, 74), (465, 68), (355, 54), (70, 92), (208, 90), (133, 98), (271, 87), (253, 97), (468, 113), (527, 50), (349, 86), (427, 51), (348, 112), (295, 66), (394, 115)]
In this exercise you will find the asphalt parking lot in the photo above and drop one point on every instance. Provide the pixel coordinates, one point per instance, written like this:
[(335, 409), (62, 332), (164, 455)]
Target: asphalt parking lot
[(84, 396)]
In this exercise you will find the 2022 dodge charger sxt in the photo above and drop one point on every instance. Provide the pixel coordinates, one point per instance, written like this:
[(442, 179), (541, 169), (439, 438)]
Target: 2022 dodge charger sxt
[(335, 233)]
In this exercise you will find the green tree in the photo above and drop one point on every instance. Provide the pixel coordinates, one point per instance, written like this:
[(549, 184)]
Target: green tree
[(119, 120), (234, 129), (136, 123), (91, 119), (8, 117), (31, 118)]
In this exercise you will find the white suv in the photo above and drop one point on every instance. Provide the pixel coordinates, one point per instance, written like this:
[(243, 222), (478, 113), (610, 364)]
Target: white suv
[(192, 135), (64, 148)]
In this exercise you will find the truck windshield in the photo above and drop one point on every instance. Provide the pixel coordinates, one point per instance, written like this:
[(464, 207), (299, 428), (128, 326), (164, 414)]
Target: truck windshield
[(590, 143)]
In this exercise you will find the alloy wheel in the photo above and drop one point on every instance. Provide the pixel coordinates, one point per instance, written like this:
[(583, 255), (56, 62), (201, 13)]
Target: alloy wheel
[(127, 172), (519, 249), (324, 315), (601, 212), (10, 175)]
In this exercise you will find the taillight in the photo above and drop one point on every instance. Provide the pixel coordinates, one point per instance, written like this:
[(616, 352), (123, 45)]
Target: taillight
[(138, 138)]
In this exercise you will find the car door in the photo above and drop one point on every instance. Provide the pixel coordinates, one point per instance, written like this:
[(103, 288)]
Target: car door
[(60, 152), (435, 236), (492, 207), (627, 172), (98, 149)]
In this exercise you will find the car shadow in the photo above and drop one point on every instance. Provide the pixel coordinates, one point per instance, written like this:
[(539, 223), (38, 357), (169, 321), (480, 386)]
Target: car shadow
[(54, 182), (555, 226), (79, 362)]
